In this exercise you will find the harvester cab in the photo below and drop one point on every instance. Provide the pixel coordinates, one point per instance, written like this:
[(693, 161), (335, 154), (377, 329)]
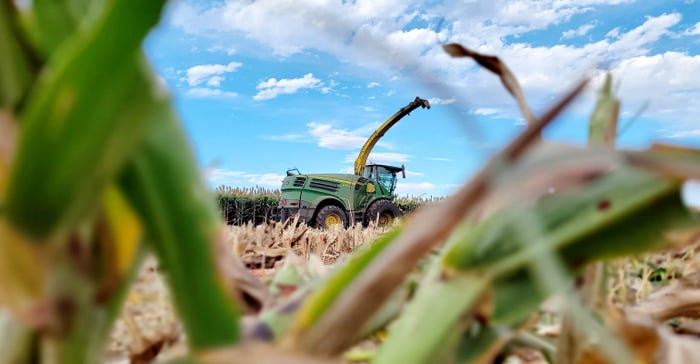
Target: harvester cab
[(384, 175), (363, 197)]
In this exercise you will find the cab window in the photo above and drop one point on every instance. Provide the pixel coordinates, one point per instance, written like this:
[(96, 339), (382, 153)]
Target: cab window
[(386, 178)]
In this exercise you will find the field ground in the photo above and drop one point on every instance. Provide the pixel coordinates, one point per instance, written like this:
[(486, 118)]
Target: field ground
[(662, 286)]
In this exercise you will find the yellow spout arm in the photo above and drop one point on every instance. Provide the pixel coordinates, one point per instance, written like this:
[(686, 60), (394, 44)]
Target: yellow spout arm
[(369, 144)]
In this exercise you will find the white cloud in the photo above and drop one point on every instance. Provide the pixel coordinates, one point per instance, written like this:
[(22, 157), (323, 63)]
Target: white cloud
[(415, 188), (331, 138), (666, 81), (634, 42), (693, 133), (613, 33), (347, 29), (410, 174), (286, 137), (221, 49), (373, 84), (441, 101), (273, 87), (484, 111), (215, 81), (205, 92), (204, 73), (578, 32), (694, 30), (226, 177), (267, 179), (354, 34)]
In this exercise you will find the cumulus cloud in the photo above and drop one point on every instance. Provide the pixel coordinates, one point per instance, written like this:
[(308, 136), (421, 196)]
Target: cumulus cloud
[(410, 174), (286, 137), (485, 111), (695, 133), (221, 49), (205, 92), (349, 30), (379, 34), (694, 30), (226, 177), (439, 159), (666, 81), (441, 101), (412, 187), (273, 87), (211, 74), (373, 84), (578, 32), (332, 138)]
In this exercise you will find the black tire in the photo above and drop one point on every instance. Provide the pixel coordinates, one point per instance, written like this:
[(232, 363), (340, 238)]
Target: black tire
[(331, 215), (383, 212)]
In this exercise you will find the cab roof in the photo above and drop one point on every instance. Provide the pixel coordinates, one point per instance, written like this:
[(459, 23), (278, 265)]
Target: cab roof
[(390, 168)]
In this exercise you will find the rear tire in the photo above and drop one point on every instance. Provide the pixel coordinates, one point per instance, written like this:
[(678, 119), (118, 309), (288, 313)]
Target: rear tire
[(331, 215), (384, 212)]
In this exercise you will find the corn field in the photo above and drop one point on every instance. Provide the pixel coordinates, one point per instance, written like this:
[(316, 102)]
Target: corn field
[(257, 205), (112, 248)]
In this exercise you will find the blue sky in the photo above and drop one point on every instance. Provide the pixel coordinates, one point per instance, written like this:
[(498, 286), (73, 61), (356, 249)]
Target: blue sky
[(265, 86)]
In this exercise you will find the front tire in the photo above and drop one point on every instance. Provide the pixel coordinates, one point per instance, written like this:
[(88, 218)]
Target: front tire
[(383, 212), (331, 215)]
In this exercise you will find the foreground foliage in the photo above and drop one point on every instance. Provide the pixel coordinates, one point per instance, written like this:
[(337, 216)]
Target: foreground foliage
[(95, 172)]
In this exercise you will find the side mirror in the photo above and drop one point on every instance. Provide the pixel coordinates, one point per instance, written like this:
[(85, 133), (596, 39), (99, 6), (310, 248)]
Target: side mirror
[(403, 170)]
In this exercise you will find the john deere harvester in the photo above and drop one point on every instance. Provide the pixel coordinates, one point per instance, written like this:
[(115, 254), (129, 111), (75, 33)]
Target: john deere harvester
[(367, 195)]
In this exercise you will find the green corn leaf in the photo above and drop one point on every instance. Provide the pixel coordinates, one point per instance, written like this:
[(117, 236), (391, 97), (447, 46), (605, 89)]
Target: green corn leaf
[(324, 297), (597, 208), (78, 137), (476, 343), (16, 62), (626, 211), (52, 22), (603, 121), (420, 338), (180, 220)]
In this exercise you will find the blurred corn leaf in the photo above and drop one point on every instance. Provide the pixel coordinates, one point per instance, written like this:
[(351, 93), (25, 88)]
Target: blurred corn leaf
[(73, 136), (603, 121), (52, 22), (322, 298), (181, 223), (95, 113), (17, 66), (625, 211)]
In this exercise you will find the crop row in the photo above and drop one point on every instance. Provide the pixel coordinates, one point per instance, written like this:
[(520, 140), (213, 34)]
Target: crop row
[(257, 205)]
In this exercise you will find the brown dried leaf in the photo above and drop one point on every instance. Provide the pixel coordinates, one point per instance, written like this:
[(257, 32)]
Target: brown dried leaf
[(250, 291), (656, 343), (526, 356), (681, 299), (495, 65), (256, 353)]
